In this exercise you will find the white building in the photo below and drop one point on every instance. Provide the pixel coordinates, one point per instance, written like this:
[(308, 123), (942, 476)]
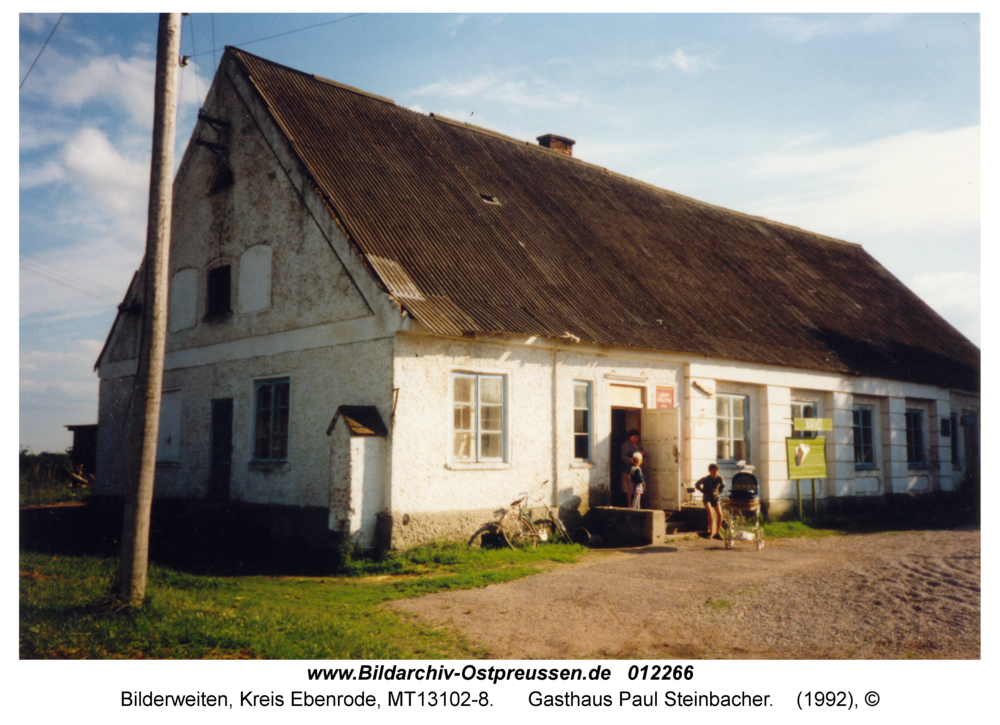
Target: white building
[(388, 323)]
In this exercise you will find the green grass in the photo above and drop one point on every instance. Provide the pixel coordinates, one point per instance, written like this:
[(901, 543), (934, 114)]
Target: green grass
[(47, 493), (719, 605), (65, 611), (796, 529)]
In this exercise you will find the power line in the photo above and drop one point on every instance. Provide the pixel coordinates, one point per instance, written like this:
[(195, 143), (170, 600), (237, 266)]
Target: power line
[(194, 49), (215, 58), (46, 45), (64, 272), (269, 37), (64, 278)]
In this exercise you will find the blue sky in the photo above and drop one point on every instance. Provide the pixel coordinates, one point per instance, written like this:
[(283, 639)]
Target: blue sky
[(861, 127)]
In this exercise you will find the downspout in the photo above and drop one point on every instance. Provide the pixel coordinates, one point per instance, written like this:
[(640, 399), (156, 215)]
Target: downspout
[(555, 429)]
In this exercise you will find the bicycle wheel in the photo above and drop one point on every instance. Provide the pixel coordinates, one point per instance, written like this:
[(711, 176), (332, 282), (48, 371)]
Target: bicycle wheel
[(518, 531), (554, 529), (484, 536)]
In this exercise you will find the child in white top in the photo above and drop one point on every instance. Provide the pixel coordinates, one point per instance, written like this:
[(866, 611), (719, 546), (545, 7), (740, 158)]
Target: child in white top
[(637, 479)]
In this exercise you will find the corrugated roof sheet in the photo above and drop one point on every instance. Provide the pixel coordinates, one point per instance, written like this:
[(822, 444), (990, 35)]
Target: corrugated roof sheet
[(472, 231)]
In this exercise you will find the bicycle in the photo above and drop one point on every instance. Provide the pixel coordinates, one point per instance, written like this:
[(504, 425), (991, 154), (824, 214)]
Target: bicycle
[(519, 530)]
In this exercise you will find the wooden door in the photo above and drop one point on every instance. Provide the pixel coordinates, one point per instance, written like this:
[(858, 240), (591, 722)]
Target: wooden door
[(662, 469), (222, 450)]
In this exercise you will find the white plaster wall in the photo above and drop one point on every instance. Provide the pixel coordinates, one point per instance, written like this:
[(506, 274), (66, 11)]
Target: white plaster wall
[(327, 325), (321, 380), (540, 423), (270, 211), (368, 486), (699, 416), (590, 482)]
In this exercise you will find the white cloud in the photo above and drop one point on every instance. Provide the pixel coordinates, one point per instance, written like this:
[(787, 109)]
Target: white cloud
[(98, 172), (955, 296), (38, 22), (31, 137), (679, 60), (457, 89), (41, 174), (533, 93), (453, 23), (804, 28), (66, 370), (127, 83), (118, 83), (922, 180)]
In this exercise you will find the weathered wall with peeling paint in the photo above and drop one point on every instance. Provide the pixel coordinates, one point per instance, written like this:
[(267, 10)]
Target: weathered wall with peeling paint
[(325, 324)]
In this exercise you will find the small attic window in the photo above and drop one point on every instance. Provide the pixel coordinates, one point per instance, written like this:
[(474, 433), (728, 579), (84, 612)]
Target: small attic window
[(490, 199), (222, 179), (218, 298)]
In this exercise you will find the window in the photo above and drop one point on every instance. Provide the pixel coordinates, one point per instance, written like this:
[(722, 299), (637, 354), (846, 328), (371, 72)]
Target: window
[(915, 438), (218, 299), (803, 410), (956, 459), (222, 179), (478, 429), (271, 429), (864, 437), (581, 420), (731, 427)]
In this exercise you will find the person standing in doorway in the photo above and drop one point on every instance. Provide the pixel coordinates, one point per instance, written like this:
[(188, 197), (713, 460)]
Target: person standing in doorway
[(711, 487), (629, 448), (637, 479)]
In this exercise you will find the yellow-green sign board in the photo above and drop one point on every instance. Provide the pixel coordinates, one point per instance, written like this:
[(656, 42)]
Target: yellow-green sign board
[(806, 457), (812, 424)]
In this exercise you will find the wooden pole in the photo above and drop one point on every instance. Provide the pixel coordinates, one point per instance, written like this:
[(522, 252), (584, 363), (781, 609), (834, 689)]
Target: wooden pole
[(149, 375)]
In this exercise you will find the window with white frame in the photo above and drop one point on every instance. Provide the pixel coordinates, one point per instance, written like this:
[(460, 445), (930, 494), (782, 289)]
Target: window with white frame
[(803, 409), (271, 398), (864, 436), (582, 417), (915, 455), (478, 430), (731, 418)]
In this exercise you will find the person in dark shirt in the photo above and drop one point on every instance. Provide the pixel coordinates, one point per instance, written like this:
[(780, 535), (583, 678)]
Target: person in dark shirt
[(711, 487), (629, 448)]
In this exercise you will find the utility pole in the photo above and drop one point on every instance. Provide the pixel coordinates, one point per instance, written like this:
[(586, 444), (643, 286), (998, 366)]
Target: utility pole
[(149, 375)]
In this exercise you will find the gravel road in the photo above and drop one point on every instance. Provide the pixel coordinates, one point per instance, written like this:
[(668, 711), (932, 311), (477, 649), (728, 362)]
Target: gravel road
[(866, 596)]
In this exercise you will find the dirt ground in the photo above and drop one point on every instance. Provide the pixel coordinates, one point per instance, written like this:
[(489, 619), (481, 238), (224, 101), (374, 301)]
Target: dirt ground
[(864, 596)]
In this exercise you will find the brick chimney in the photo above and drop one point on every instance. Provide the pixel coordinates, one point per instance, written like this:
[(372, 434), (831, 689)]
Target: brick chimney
[(557, 143)]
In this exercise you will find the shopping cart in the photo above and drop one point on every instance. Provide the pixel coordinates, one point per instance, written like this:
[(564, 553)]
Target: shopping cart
[(741, 511)]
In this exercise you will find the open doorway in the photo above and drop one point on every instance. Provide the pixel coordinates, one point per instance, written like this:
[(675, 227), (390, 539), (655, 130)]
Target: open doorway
[(622, 421)]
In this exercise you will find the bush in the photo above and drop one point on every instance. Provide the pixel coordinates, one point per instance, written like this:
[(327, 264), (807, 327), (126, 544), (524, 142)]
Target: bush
[(47, 478)]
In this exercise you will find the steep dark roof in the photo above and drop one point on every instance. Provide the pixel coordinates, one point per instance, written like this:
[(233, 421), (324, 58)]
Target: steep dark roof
[(472, 231)]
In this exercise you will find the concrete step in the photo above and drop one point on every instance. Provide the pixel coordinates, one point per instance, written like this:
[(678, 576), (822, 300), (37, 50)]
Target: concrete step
[(682, 527)]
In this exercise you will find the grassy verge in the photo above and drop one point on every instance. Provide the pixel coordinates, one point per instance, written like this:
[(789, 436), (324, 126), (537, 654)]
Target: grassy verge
[(65, 613), (796, 529)]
